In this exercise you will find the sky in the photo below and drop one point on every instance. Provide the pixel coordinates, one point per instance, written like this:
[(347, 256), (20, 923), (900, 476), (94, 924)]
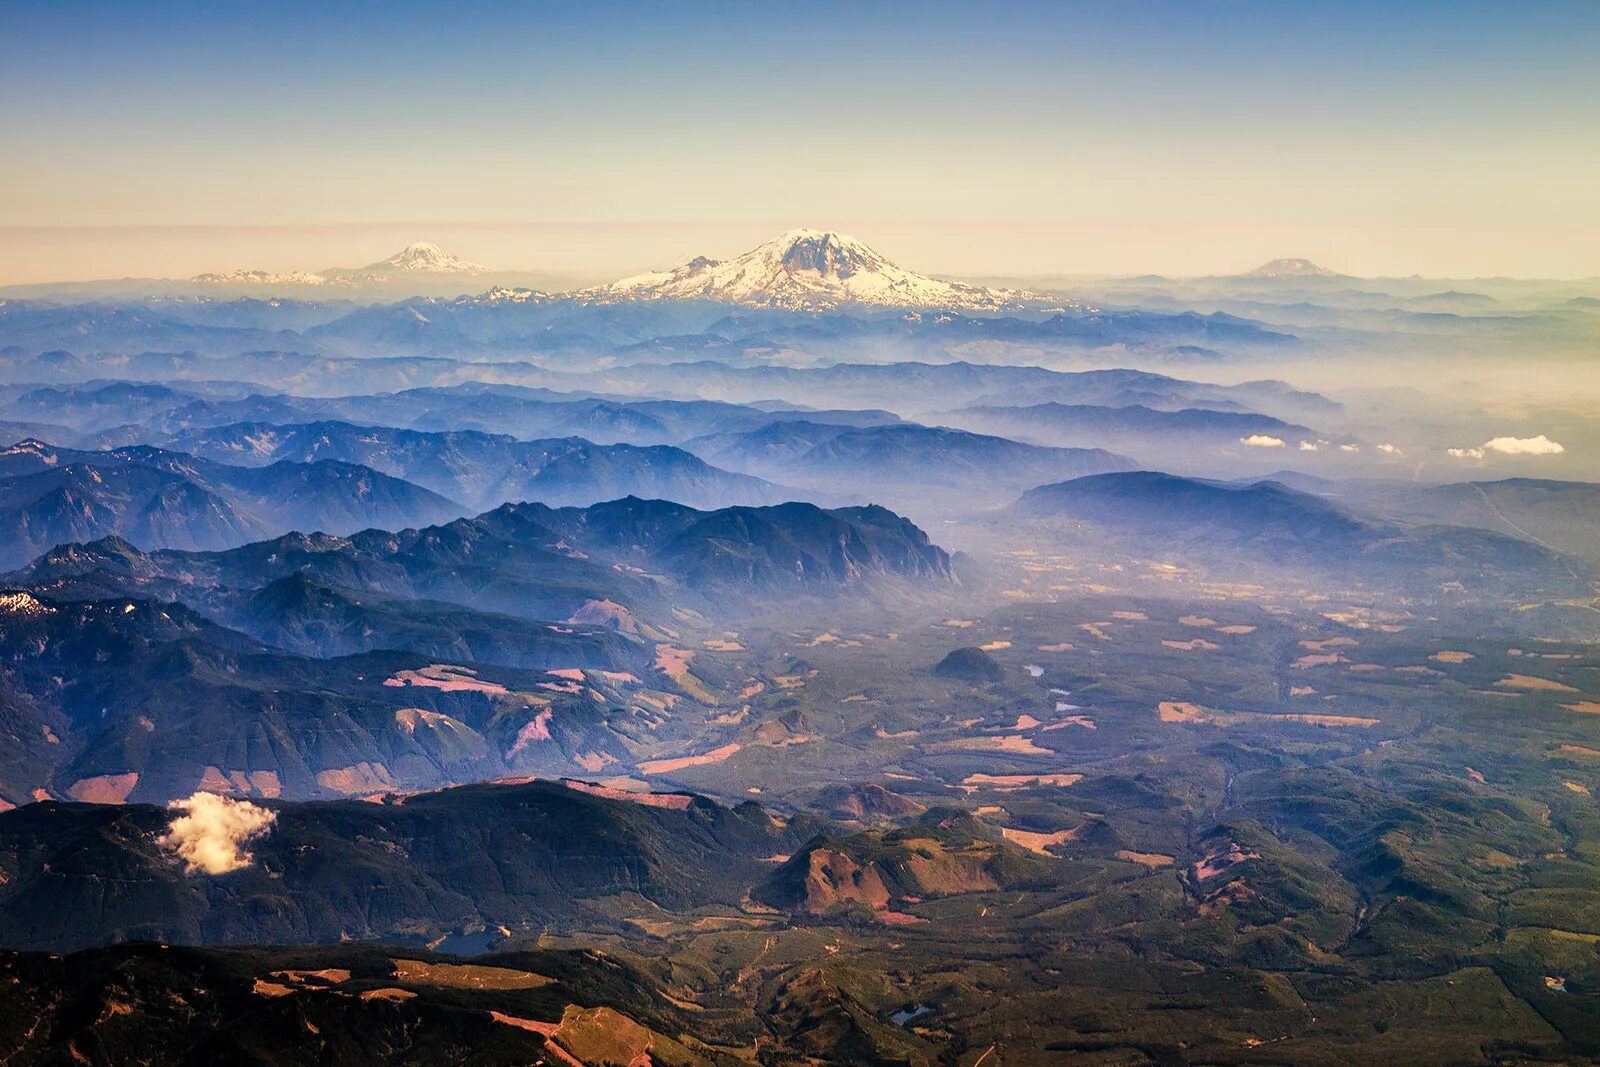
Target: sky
[(167, 138)]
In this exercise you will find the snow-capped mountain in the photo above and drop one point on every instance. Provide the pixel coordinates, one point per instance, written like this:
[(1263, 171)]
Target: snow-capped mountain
[(808, 269), (260, 277), (417, 258), (1289, 268), (421, 257)]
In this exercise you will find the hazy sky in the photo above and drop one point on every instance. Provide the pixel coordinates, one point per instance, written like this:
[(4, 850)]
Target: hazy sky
[(166, 138)]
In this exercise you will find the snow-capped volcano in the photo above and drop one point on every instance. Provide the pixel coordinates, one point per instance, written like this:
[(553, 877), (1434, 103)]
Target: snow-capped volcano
[(807, 269), (1289, 268), (421, 257)]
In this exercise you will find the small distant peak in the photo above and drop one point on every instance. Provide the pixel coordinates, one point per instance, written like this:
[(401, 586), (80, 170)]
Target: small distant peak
[(1290, 268), (427, 257), (30, 446)]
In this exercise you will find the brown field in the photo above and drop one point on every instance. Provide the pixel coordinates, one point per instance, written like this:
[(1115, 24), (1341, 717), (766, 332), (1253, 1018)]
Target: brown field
[(1329, 720), (1221, 860), (1178, 711), (1004, 782), (673, 662), (264, 988), (1013, 743), (260, 783), (667, 766), (1331, 642), (1198, 644), (362, 777), (1036, 842), (674, 801), (103, 788), (466, 976), (1144, 859), (1532, 682), (446, 677), (326, 976)]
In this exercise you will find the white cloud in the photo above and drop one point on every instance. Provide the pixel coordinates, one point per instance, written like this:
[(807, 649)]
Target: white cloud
[(1309, 446), (211, 833), (1465, 453), (1349, 448), (1261, 440), (1524, 446), (1389, 450)]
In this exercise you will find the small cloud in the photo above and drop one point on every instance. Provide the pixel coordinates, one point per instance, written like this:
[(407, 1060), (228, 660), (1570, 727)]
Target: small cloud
[(1389, 450), (1465, 453), (211, 833), (1261, 440), (1524, 446), (1308, 446), (1349, 448)]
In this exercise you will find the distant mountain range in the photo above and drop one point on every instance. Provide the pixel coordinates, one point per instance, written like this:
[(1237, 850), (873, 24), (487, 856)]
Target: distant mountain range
[(447, 326), (1132, 427), (160, 499), (1268, 525), (936, 456), (538, 562), (114, 413), (1559, 515), (418, 258), (914, 386), (893, 463), (488, 469), (798, 270)]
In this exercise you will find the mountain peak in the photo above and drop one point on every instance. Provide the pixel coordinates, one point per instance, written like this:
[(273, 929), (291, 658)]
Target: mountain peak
[(824, 252), (1290, 268), (418, 257), (806, 269), (424, 257)]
